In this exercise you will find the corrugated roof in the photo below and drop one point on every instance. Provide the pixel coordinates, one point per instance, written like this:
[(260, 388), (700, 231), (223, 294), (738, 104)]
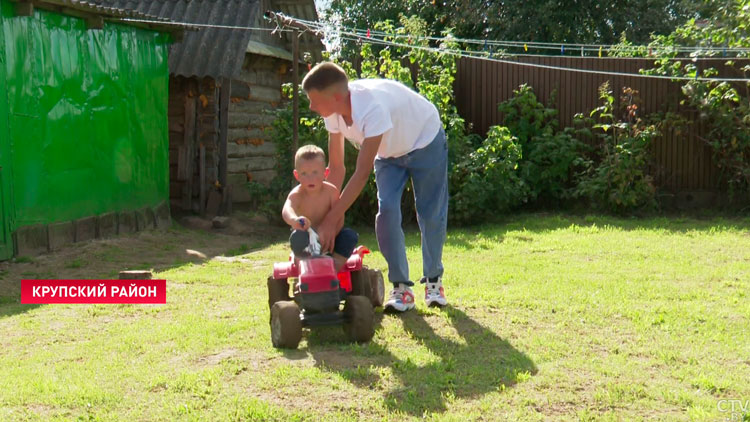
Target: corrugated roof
[(109, 12), (214, 52), (220, 52)]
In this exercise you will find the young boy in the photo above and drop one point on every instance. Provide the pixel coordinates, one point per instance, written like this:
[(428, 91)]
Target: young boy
[(309, 202)]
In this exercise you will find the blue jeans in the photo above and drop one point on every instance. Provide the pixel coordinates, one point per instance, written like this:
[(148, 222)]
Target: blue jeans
[(428, 170)]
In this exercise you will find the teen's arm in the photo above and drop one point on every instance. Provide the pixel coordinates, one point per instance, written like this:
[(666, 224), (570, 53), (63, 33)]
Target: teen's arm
[(365, 160), (336, 159)]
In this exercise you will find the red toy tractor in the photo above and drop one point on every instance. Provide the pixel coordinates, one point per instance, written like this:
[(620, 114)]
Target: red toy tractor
[(317, 296)]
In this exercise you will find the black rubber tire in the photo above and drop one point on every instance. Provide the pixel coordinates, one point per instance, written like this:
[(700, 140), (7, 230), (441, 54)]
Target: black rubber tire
[(286, 327), (377, 287), (278, 290), (360, 283), (360, 319)]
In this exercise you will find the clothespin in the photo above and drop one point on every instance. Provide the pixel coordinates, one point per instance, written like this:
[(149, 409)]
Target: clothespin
[(368, 32), (581, 51), (562, 50), (525, 47), (600, 51), (484, 47), (724, 51)]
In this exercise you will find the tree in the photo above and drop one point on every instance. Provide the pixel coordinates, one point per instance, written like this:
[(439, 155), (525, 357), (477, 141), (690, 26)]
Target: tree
[(573, 21)]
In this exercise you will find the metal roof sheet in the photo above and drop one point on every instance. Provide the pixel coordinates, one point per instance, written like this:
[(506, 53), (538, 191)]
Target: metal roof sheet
[(220, 52)]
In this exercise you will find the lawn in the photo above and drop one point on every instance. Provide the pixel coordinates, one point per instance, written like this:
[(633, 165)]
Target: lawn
[(552, 317)]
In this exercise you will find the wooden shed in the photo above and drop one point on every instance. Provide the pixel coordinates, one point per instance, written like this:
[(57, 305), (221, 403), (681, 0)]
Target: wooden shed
[(224, 80)]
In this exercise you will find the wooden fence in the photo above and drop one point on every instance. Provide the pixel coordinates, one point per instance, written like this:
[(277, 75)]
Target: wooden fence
[(682, 162)]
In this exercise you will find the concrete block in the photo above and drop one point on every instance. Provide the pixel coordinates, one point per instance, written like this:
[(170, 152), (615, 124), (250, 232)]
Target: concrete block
[(60, 235), (163, 217), (31, 240), (126, 222), (85, 229), (107, 225)]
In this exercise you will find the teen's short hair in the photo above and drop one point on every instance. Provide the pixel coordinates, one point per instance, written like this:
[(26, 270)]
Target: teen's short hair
[(323, 76), (309, 152)]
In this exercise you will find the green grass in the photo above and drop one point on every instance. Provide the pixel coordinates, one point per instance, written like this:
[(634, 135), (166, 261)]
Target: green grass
[(553, 317)]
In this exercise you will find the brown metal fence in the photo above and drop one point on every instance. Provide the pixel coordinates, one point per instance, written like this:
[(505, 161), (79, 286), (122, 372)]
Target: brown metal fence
[(682, 161)]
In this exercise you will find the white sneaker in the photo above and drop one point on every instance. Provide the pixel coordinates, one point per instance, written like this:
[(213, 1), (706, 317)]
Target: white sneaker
[(434, 295), (401, 299)]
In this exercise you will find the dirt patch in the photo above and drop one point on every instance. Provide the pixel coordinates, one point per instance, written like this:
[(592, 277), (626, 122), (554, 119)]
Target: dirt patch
[(190, 239), (216, 358)]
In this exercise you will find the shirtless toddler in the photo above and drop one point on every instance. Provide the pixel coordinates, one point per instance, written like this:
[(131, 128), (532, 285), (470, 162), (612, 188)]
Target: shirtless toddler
[(309, 202)]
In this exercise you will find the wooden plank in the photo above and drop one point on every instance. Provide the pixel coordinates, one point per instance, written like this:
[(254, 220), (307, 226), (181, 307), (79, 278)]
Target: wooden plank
[(295, 93), (223, 129), (185, 165), (202, 180)]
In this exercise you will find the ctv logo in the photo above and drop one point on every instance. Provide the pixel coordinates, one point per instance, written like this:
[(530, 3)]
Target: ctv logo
[(735, 409)]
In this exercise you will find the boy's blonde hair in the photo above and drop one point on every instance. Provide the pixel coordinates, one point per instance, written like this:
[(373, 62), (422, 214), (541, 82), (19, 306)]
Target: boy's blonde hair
[(323, 76), (309, 152)]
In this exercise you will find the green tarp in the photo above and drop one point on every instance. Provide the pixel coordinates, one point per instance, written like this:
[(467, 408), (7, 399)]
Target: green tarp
[(83, 117)]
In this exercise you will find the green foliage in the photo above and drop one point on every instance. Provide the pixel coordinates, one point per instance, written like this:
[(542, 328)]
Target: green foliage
[(619, 181), (728, 120), (487, 184), (550, 157), (587, 21), (721, 107)]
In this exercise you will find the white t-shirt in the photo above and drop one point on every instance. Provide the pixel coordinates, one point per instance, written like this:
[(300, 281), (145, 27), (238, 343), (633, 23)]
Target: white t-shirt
[(406, 119)]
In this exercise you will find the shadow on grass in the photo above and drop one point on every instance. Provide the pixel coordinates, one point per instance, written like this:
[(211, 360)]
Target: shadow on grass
[(157, 250), (480, 364), (476, 236), (11, 305)]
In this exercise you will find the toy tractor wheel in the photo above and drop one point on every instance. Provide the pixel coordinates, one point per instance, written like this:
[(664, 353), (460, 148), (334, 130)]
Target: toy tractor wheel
[(278, 290), (377, 287), (360, 283), (286, 326), (360, 324)]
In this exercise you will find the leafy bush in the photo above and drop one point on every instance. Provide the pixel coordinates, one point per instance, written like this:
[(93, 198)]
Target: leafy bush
[(728, 117), (487, 183), (620, 182), (549, 158), (720, 107)]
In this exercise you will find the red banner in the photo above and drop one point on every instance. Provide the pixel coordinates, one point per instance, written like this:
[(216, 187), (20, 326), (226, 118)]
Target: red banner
[(93, 291)]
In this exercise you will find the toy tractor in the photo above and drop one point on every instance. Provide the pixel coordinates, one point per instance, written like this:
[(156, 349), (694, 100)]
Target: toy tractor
[(317, 296)]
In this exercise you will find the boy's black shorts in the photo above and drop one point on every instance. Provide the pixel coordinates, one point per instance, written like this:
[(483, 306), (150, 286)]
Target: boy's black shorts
[(344, 243)]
